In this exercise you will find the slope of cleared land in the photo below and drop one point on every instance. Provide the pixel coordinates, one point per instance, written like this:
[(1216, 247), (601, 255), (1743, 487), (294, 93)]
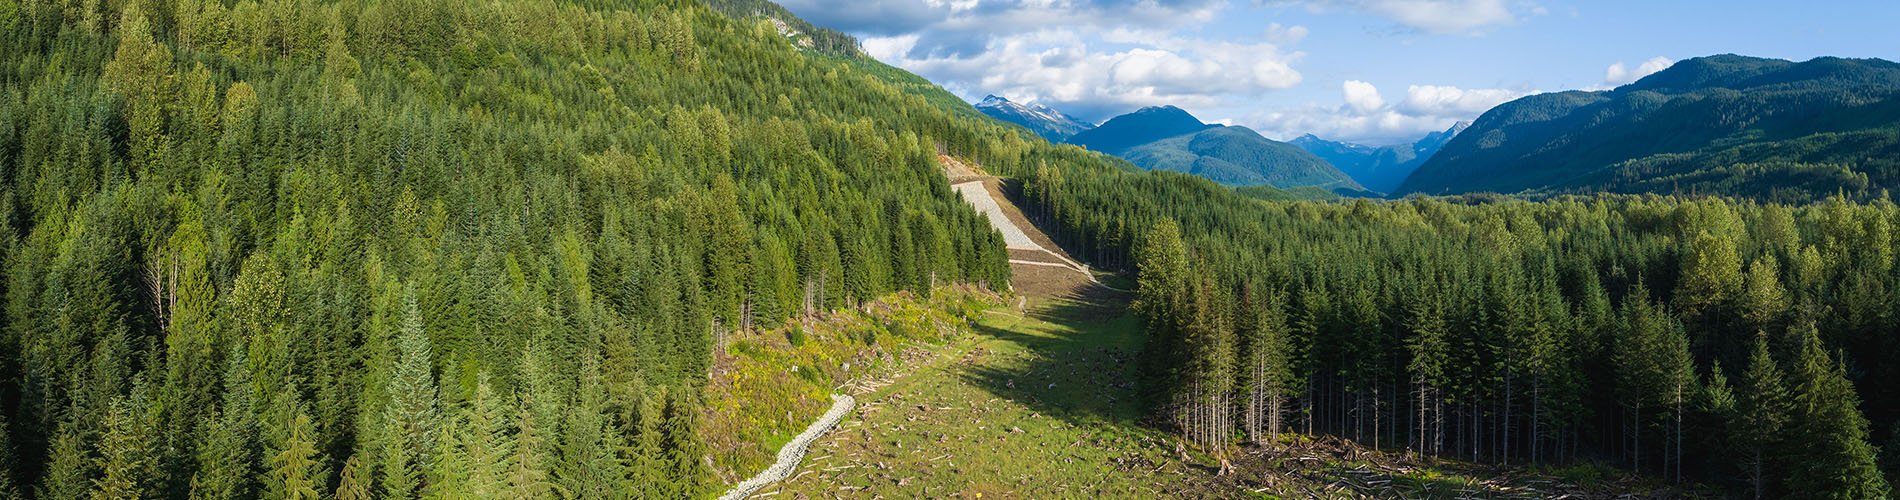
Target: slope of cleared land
[(1041, 404)]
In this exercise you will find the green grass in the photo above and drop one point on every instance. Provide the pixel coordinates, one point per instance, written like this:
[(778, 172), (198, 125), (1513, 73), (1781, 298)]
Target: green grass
[(1039, 407)]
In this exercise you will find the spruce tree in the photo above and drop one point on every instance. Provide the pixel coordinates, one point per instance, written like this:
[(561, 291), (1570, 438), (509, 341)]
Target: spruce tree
[(590, 466), (349, 486), (69, 470), (412, 417), (1762, 408), (1831, 457), (124, 453), (294, 469), (228, 455), (526, 473)]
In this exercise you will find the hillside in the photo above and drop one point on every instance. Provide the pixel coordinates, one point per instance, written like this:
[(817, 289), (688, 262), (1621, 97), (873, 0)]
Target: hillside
[(1380, 168), (1169, 139), (1044, 121), (1238, 156), (397, 246), (1143, 126), (1762, 128)]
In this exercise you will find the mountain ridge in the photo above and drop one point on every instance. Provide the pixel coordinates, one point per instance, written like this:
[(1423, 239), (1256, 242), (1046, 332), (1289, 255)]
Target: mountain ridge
[(1694, 121), (1044, 121)]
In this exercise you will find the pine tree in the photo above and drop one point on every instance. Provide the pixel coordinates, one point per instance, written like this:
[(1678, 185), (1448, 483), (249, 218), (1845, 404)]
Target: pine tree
[(349, 486), (527, 480), (590, 466), (1831, 456), (412, 417), (227, 456), (124, 453), (1429, 350), (294, 468), (1762, 409)]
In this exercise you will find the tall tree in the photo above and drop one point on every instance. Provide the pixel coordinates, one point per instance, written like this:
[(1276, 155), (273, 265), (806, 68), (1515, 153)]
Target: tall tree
[(1762, 408), (1831, 455), (413, 415)]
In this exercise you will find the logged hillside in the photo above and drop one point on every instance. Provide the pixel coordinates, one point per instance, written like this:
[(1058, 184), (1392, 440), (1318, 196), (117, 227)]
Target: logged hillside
[(1767, 129), (1738, 344), (435, 247)]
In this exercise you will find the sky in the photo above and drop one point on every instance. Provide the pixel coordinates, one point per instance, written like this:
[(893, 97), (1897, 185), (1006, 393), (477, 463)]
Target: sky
[(1369, 71)]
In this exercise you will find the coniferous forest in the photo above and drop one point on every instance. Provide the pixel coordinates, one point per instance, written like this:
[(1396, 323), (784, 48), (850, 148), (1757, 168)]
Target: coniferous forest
[(299, 249), (1721, 341)]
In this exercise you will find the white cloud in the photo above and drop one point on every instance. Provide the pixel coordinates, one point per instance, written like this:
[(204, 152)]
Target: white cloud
[(1439, 100), (1285, 34), (1618, 74), (1362, 96), (1444, 17), (1366, 118), (1059, 67)]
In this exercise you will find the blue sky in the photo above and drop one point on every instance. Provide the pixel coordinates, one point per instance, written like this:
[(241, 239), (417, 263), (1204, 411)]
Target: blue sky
[(1372, 71)]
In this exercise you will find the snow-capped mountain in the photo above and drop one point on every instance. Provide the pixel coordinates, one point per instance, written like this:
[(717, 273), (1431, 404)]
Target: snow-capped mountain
[(1043, 120)]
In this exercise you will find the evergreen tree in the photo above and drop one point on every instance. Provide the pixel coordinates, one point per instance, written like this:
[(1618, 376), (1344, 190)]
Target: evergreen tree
[(1762, 409), (293, 471), (590, 466), (69, 470), (349, 487), (227, 455), (1831, 456), (1429, 351), (124, 453), (527, 480), (413, 415)]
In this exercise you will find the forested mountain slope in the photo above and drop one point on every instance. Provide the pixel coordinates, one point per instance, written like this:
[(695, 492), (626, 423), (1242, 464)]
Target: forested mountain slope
[(1728, 342), (1762, 128), (1378, 168), (1169, 139), (434, 247)]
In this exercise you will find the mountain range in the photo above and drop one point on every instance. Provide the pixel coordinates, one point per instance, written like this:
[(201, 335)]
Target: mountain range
[(1168, 138), (1745, 126), (1378, 168), (1042, 120)]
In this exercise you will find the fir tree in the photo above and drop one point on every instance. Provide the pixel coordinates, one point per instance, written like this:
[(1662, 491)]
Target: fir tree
[(413, 415), (349, 487), (293, 473), (124, 453), (1831, 456), (1762, 409)]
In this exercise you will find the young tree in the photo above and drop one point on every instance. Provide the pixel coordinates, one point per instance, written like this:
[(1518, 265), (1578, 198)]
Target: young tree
[(294, 469), (349, 486), (1762, 409)]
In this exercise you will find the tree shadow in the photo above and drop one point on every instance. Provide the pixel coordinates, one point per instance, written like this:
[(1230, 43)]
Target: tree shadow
[(1077, 359)]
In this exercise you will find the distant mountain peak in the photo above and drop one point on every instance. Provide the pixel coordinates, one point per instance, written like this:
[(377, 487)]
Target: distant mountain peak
[(1043, 120)]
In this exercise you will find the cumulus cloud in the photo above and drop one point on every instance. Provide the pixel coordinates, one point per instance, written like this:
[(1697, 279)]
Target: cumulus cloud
[(1367, 118), (1618, 74), (1439, 100), (1362, 96), (1443, 17), (1059, 67)]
